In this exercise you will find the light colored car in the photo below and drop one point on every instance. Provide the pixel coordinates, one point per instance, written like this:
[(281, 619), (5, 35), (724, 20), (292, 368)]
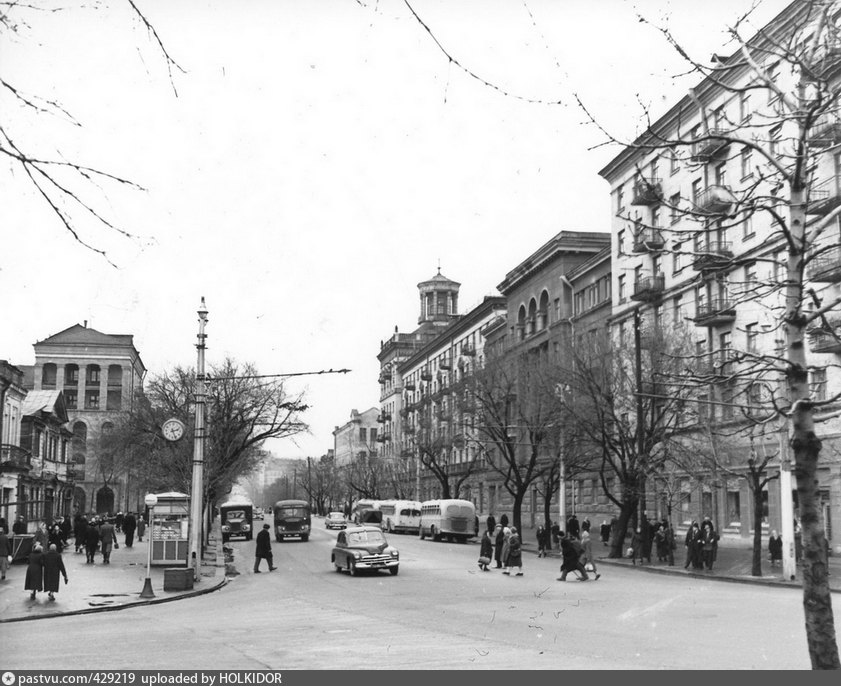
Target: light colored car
[(335, 520), (361, 548), (258, 513)]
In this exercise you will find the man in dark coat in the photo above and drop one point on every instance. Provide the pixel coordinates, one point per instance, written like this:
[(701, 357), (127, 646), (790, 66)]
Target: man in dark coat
[(53, 566), (79, 530), (91, 542), (572, 559), (491, 523), (129, 525), (573, 527), (108, 538), (499, 536), (264, 549), (19, 527)]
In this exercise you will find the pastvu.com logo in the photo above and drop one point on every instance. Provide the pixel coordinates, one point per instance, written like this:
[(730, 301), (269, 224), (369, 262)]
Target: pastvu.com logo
[(8, 678)]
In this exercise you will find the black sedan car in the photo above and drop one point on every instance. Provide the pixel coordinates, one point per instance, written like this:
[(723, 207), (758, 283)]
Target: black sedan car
[(361, 548)]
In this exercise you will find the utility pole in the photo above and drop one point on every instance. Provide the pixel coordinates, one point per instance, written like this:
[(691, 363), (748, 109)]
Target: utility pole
[(197, 495), (786, 506), (640, 418)]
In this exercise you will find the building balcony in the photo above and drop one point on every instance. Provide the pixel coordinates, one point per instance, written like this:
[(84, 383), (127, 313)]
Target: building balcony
[(826, 266), (445, 363), (715, 313), (425, 376), (824, 197), (709, 145), (468, 350), (715, 200), (712, 256), (649, 289), (825, 340), (647, 191), (648, 240), (409, 386), (384, 417), (826, 60), (824, 132), (384, 438), (14, 457)]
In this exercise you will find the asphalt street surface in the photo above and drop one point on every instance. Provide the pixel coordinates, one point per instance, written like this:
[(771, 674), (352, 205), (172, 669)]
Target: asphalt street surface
[(440, 612)]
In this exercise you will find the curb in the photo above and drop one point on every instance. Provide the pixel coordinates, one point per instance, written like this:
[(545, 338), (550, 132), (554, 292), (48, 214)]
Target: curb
[(755, 581)]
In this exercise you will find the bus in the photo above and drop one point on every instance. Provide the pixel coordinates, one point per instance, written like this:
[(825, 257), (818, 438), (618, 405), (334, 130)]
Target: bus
[(452, 519), (292, 518), (360, 506), (401, 516)]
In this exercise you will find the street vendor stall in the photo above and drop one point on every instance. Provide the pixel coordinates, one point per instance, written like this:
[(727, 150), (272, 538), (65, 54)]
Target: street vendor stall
[(169, 532)]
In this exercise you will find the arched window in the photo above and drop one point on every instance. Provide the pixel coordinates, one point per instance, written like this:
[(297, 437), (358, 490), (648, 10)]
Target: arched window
[(521, 322), (543, 311), (71, 374), (92, 376), (532, 319), (48, 375)]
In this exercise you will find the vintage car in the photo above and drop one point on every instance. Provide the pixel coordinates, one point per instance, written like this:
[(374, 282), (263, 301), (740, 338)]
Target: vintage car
[(360, 548), (335, 520)]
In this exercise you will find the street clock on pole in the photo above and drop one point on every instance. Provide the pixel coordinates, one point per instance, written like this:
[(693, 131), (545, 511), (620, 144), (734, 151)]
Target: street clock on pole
[(172, 429)]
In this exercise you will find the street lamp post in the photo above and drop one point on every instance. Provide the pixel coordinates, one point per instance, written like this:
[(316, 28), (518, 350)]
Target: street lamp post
[(150, 500), (197, 494)]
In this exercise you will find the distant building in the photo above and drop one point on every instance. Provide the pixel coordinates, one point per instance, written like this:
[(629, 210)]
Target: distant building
[(15, 461), (356, 437)]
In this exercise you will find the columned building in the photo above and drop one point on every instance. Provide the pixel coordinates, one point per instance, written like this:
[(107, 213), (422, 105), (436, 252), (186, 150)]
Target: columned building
[(99, 375)]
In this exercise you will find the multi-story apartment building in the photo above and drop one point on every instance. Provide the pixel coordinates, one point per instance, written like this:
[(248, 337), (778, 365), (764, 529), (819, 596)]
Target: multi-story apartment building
[(99, 376), (15, 461), (358, 436), (694, 257)]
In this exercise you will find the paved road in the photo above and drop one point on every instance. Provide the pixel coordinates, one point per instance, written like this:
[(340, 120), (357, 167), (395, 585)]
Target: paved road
[(441, 612)]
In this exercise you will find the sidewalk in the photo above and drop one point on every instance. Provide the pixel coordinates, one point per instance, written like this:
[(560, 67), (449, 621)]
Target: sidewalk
[(99, 587), (733, 564)]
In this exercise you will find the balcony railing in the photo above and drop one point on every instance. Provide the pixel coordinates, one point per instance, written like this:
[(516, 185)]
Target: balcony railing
[(825, 131), (445, 363), (826, 267), (713, 255), (825, 60), (648, 240), (425, 376), (409, 386), (647, 191), (384, 417), (649, 288), (468, 350), (824, 197), (709, 145), (825, 339), (14, 457), (716, 312), (715, 199)]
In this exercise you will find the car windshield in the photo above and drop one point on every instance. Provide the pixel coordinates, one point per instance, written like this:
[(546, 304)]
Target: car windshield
[(236, 514), (336, 515), (365, 538)]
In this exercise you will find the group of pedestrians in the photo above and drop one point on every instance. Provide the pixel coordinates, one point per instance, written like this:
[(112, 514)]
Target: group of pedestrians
[(44, 571), (501, 544), (701, 543)]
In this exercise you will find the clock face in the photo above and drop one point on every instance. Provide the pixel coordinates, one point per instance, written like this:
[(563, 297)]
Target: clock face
[(172, 429)]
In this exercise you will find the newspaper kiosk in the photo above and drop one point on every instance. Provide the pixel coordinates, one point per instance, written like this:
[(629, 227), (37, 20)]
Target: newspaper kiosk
[(169, 534)]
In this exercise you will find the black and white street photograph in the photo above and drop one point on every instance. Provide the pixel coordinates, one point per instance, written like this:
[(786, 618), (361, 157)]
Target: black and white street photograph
[(372, 336)]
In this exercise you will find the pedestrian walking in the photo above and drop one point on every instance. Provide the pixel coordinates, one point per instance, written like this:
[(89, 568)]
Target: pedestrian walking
[(66, 527), (636, 546), (264, 549), (499, 536), (541, 541), (485, 552), (709, 543), (19, 527), (571, 560), (604, 532), (587, 558), (34, 580), (515, 552), (585, 525), (80, 528), (129, 526), (141, 527), (54, 537), (491, 523), (5, 552), (692, 543), (42, 535), (53, 567), (503, 520), (573, 527), (506, 548), (775, 548), (91, 542), (118, 521), (107, 538)]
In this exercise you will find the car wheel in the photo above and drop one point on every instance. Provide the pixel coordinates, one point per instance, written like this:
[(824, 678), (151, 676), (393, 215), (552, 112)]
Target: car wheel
[(393, 570)]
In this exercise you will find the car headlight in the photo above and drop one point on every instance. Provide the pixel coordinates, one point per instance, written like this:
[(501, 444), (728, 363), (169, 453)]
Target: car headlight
[(357, 554), (394, 553), (226, 528), (245, 527), (305, 528)]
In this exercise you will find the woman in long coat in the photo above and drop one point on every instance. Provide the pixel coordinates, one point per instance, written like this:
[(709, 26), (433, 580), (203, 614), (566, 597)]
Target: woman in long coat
[(141, 528), (35, 571), (506, 541), (515, 551), (53, 567), (498, 537)]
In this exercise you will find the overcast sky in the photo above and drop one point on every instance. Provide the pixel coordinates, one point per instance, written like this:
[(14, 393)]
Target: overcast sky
[(316, 160)]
